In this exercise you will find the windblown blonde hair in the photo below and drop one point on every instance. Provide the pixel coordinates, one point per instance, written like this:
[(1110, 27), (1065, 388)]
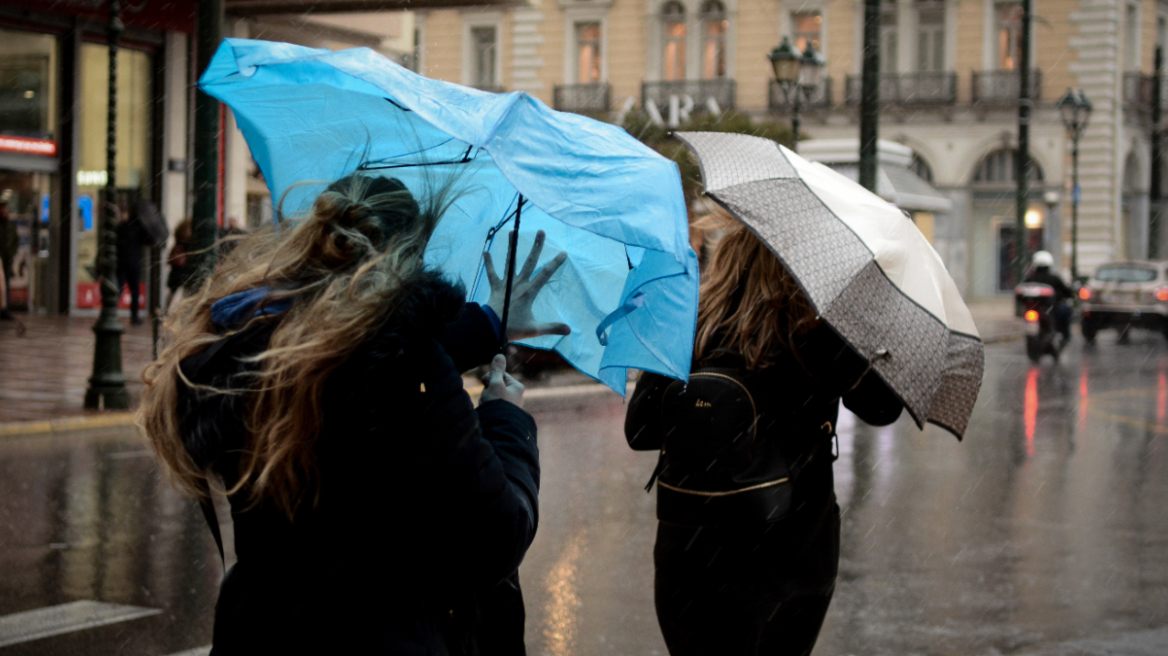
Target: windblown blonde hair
[(346, 267), (748, 302)]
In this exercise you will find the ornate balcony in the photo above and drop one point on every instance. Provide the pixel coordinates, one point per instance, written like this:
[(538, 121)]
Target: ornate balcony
[(820, 97), (722, 91), (583, 98), (938, 88), (1137, 91), (1001, 87)]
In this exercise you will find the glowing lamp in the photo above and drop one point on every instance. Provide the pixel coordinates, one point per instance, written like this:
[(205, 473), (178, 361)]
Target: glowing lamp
[(1084, 293), (1033, 219), (1032, 315), (1162, 294)]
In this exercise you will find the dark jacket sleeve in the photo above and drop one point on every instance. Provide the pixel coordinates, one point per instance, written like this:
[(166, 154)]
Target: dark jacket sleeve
[(643, 421), (483, 471), (470, 339), (873, 401)]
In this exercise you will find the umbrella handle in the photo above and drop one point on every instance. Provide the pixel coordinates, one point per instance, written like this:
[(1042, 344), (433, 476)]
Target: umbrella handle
[(512, 246)]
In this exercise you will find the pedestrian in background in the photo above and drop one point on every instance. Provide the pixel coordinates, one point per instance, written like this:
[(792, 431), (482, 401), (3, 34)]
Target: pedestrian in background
[(756, 575), (8, 245), (179, 260), (317, 373), (5, 314), (131, 239)]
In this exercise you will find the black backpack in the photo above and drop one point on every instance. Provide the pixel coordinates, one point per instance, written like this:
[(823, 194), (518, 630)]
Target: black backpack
[(715, 466)]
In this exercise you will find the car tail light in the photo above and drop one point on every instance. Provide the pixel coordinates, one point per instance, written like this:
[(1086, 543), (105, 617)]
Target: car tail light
[(1085, 293), (1031, 315), (1162, 294)]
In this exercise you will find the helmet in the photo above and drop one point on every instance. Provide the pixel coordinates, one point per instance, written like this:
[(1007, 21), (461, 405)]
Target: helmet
[(1043, 259)]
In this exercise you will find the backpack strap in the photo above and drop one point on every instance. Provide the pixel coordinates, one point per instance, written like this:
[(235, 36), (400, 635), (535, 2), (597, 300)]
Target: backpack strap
[(208, 506)]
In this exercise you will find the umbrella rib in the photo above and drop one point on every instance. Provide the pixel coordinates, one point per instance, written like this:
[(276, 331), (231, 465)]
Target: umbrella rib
[(370, 166)]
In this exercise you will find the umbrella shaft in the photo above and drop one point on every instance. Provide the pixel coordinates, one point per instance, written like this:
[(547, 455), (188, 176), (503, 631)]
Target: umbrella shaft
[(512, 246)]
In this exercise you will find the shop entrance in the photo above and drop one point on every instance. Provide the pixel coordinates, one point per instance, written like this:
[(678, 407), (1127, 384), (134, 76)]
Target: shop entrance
[(26, 195)]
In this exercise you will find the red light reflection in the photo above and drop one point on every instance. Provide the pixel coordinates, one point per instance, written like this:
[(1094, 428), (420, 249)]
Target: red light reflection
[(1083, 395), (1030, 408)]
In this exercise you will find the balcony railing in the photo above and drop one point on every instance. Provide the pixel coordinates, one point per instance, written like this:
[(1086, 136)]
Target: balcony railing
[(1001, 87), (820, 96), (1137, 91), (583, 98), (720, 90), (921, 88)]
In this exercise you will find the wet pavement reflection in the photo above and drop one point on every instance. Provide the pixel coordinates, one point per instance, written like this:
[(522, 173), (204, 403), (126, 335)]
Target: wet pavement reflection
[(1045, 532)]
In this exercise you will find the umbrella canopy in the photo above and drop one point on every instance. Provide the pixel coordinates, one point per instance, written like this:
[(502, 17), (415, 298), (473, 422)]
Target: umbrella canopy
[(629, 288), (864, 266)]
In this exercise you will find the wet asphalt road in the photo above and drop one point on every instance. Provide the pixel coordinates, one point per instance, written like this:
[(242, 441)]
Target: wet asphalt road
[(1044, 533)]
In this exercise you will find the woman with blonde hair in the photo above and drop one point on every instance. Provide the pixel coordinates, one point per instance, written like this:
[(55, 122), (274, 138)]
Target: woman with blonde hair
[(749, 567), (317, 374)]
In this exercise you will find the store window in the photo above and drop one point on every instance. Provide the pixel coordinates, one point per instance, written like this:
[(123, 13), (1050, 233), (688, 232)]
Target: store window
[(807, 28), (714, 28), (133, 146), (28, 126), (674, 33), (588, 52)]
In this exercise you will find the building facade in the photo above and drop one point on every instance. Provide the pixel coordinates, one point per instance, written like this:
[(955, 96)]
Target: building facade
[(54, 70), (948, 90)]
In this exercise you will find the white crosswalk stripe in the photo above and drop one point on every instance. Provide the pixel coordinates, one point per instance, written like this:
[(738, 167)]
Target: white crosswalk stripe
[(197, 651), (66, 618)]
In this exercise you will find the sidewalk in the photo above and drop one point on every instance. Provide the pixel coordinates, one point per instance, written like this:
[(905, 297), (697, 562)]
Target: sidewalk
[(44, 374)]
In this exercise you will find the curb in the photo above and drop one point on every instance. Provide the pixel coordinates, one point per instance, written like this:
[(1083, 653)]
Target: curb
[(66, 424)]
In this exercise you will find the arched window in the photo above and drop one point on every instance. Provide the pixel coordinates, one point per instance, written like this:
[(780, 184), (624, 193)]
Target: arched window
[(673, 37), (921, 168), (997, 168), (714, 27)]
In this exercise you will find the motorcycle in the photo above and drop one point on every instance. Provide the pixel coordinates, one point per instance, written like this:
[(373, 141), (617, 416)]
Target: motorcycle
[(1034, 303)]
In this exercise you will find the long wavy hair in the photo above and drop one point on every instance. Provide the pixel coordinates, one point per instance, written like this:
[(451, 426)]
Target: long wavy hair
[(748, 302), (345, 268)]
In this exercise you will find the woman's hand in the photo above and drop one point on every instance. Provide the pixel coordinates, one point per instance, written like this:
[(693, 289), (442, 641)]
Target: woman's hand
[(521, 322), (500, 385)]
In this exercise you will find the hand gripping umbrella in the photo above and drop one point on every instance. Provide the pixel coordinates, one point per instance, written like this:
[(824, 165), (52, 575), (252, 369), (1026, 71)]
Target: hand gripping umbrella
[(865, 267), (628, 290)]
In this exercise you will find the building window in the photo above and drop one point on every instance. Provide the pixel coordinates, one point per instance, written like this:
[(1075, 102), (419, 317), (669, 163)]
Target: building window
[(714, 26), (588, 52), (485, 56), (930, 35), (921, 168), (673, 29), (1131, 33), (807, 28), (998, 168), (889, 43), (1008, 46)]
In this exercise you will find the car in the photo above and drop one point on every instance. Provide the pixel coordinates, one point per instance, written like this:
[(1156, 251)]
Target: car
[(1125, 295)]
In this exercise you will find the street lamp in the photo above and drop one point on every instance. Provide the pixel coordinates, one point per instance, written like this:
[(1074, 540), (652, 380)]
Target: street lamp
[(107, 385), (797, 75), (1076, 111)]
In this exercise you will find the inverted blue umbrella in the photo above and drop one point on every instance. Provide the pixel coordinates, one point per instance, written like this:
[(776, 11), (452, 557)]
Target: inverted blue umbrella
[(629, 288)]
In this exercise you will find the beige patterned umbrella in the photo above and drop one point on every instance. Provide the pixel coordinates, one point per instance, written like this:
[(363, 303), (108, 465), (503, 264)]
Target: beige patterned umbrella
[(864, 266)]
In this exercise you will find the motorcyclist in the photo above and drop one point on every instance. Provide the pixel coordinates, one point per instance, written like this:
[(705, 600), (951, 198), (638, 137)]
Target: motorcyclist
[(1040, 272)]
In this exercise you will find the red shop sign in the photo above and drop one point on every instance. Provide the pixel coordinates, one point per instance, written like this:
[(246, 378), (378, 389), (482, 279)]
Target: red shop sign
[(28, 146)]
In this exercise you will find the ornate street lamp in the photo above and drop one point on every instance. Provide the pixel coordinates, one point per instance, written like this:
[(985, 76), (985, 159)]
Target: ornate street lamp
[(1076, 111), (798, 76), (107, 385)]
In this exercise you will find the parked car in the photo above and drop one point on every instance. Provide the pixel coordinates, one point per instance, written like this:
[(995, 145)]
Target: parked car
[(1125, 295)]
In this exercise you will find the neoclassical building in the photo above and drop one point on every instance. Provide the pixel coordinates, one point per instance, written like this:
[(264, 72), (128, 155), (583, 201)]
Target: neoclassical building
[(948, 91)]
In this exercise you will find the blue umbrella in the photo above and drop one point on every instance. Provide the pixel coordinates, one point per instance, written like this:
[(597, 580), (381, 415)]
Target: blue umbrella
[(629, 288)]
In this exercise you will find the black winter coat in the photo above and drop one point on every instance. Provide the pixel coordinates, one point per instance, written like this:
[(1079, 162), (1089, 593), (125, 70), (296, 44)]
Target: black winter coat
[(426, 503)]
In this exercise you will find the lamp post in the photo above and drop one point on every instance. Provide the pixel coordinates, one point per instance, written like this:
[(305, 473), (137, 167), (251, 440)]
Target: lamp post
[(797, 75), (107, 385), (1075, 110)]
